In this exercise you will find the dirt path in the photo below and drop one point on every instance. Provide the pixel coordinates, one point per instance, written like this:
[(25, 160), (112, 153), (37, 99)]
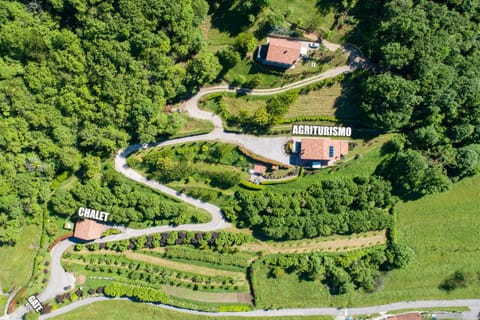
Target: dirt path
[(344, 244)]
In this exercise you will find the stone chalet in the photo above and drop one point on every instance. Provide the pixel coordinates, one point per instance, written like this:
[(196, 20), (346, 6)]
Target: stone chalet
[(87, 229), (318, 153), (282, 53)]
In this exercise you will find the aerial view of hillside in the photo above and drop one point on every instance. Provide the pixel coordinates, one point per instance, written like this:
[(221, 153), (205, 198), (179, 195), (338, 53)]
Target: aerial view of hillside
[(239, 159)]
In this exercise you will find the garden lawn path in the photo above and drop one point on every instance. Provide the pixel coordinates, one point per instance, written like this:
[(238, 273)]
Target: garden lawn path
[(303, 246)]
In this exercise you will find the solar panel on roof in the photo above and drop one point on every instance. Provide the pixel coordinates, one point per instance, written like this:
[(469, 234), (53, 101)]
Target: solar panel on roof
[(330, 151)]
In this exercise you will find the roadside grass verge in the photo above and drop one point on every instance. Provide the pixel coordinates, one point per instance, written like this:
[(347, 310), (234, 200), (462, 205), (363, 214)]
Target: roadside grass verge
[(20, 257), (435, 309), (116, 310)]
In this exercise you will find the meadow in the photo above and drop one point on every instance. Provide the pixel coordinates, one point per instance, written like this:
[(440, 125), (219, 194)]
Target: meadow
[(20, 258), (442, 229)]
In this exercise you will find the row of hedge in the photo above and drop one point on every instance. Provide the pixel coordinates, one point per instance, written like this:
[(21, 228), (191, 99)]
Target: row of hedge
[(250, 185), (220, 241), (271, 182), (237, 259), (309, 118), (142, 293)]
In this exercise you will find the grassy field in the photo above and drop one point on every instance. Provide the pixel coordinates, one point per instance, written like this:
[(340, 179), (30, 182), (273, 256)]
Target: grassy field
[(215, 297), (316, 103), (323, 244), (3, 303), (116, 310), (443, 231), (20, 258), (310, 11), (193, 127)]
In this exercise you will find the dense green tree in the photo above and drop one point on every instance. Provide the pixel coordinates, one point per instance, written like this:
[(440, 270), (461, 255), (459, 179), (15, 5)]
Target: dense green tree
[(245, 43), (228, 58), (390, 100), (398, 256), (323, 209), (204, 68)]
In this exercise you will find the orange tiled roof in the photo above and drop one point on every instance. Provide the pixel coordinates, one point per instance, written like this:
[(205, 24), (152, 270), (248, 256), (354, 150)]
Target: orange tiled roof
[(283, 51), (87, 229), (318, 149)]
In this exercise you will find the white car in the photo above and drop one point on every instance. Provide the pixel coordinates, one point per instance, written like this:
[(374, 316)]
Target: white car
[(314, 45)]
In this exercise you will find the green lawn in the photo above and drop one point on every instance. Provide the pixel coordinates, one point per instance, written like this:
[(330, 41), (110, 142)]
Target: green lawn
[(3, 303), (305, 12), (116, 310), (369, 157), (445, 309), (16, 272), (443, 231), (247, 69), (193, 127)]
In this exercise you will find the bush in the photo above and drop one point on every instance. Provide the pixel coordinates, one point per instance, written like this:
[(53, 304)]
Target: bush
[(250, 185), (454, 281), (308, 118)]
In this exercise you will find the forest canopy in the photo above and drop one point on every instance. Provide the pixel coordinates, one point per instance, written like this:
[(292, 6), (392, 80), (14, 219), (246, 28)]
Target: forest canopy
[(80, 79), (427, 86)]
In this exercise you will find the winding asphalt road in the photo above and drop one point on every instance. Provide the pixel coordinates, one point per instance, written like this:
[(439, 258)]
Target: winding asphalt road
[(270, 147), (473, 304)]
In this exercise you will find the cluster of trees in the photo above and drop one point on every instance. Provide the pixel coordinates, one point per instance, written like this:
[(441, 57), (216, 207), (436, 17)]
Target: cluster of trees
[(141, 273), (344, 272), (218, 241), (264, 117), (233, 259), (116, 289), (427, 87), (80, 79), (125, 201), (233, 16), (171, 164), (336, 206), (273, 112)]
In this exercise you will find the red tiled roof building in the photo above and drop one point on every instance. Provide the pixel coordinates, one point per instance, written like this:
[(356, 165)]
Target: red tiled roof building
[(322, 152), (87, 229), (283, 53)]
